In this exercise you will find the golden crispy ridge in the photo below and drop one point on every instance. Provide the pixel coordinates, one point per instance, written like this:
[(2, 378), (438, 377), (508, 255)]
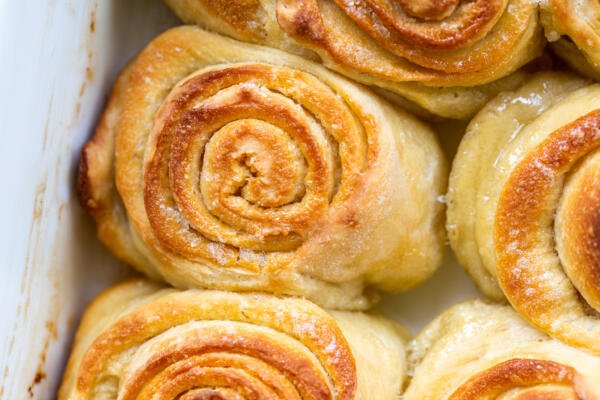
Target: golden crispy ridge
[(514, 373), (473, 182), (468, 22), (463, 24), (272, 175), (521, 213), (523, 204), (169, 311), (464, 48), (427, 9), (141, 341), (578, 229)]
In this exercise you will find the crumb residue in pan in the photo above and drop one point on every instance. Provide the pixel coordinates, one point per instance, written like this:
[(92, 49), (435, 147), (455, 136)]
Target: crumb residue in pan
[(40, 373), (89, 71), (93, 19)]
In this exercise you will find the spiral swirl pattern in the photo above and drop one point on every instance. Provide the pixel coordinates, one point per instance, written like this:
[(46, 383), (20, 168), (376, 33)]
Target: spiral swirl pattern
[(399, 45), (573, 28), (480, 351), (272, 175), (539, 233), (216, 345), (239, 158), (452, 36)]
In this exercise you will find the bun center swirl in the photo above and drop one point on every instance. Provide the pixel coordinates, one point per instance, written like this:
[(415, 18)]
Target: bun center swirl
[(452, 36), (428, 9), (248, 157)]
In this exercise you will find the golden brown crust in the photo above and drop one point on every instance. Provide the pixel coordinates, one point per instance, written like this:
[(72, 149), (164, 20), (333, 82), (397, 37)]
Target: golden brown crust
[(525, 224), (164, 313), (269, 186), (384, 21), (516, 372), (578, 224), (210, 171), (523, 204), (242, 15), (207, 344), (484, 351), (430, 52), (453, 52), (472, 181)]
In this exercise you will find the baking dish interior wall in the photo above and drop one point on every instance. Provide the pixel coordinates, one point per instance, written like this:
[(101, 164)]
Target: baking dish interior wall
[(58, 65)]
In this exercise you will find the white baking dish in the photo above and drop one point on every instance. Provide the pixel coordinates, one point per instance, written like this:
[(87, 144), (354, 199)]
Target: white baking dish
[(58, 60)]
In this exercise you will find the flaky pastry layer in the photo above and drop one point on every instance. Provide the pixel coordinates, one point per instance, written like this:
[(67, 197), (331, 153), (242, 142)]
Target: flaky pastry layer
[(482, 351), (524, 204), (225, 165), (140, 340)]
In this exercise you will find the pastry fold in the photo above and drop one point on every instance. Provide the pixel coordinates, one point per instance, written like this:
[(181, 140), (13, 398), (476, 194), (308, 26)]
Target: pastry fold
[(139, 340), (448, 57), (573, 28), (524, 204), (225, 165), (482, 351)]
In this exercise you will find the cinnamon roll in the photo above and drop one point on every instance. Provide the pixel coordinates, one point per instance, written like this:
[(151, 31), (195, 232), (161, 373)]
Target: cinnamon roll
[(481, 351), (219, 164), (447, 56), (573, 28), (524, 204), (139, 340)]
